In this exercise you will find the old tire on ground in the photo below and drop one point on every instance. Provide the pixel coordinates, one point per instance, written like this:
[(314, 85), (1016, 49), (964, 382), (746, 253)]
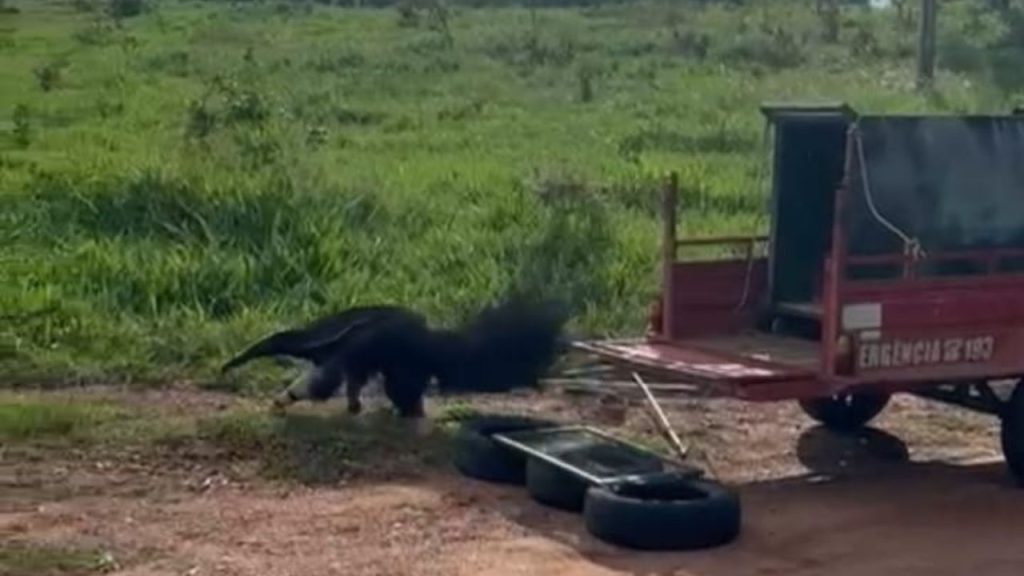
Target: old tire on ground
[(674, 514), (1011, 433), (555, 487), (477, 455), (845, 412)]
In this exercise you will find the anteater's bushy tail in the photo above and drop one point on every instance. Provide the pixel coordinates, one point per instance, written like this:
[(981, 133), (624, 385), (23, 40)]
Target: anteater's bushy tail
[(505, 346)]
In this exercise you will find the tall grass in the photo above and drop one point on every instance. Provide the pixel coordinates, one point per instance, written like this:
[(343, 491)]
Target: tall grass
[(176, 182)]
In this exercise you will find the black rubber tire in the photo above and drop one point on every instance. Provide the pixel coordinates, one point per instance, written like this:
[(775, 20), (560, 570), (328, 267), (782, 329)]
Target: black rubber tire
[(845, 412), (476, 455), (552, 486), (1011, 434), (674, 514)]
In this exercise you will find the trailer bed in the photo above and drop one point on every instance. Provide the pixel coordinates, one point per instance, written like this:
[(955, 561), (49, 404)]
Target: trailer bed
[(794, 352), (741, 364)]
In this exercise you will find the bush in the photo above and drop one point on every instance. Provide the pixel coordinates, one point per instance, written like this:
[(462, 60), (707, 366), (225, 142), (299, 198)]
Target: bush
[(49, 75), (119, 9), (408, 15), (100, 32), (774, 48), (22, 126), (691, 44), (84, 5)]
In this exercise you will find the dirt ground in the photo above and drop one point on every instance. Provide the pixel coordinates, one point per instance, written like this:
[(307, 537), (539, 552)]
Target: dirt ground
[(923, 492)]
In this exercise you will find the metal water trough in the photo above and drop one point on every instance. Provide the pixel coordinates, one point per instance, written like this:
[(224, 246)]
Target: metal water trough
[(593, 455)]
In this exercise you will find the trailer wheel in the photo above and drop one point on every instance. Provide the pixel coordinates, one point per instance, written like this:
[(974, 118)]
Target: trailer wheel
[(476, 455), (1011, 433), (552, 486), (845, 412), (673, 514)]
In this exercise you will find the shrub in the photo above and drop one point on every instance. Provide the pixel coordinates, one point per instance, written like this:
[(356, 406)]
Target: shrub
[(587, 74), (119, 9), (98, 33), (771, 46), (22, 125), (408, 16), (49, 75), (200, 120), (691, 44)]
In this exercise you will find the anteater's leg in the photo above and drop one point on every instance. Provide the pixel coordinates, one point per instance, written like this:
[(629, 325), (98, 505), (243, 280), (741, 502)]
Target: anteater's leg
[(353, 388), (406, 389), (405, 386), (356, 378)]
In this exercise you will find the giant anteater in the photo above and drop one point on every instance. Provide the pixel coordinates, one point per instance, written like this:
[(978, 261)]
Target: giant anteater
[(504, 346), (325, 344)]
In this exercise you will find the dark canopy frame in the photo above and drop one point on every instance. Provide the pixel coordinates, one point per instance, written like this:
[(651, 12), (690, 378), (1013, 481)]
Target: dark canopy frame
[(945, 183), (807, 170), (951, 183)]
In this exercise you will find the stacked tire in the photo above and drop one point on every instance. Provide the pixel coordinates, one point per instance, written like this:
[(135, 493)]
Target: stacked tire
[(664, 514), (477, 455), (660, 510)]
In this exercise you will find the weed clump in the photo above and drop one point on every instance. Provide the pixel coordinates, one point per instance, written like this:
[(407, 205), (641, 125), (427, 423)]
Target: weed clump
[(49, 75), (51, 560), (22, 119), (121, 9)]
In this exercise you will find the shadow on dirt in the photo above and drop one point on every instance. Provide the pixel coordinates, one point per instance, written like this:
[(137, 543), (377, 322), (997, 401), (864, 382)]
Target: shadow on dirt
[(862, 452), (861, 492), (314, 447)]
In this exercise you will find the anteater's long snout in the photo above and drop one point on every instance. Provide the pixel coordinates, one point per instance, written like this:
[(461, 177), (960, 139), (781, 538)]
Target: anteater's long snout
[(234, 363), (273, 345)]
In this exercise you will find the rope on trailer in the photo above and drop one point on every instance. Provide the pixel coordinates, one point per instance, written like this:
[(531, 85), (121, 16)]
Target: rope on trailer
[(758, 218), (911, 245), (746, 279)]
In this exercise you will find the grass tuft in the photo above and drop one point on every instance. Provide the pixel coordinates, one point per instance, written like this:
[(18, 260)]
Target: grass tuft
[(26, 419), (28, 559)]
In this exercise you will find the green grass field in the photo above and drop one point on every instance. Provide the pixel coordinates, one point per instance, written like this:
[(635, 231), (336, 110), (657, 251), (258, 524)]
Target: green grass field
[(176, 183)]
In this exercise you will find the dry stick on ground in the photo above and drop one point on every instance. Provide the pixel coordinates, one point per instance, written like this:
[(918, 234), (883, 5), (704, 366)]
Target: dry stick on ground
[(666, 428), (661, 420)]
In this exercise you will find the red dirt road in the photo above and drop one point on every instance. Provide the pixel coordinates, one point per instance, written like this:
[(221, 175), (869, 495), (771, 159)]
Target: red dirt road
[(884, 515)]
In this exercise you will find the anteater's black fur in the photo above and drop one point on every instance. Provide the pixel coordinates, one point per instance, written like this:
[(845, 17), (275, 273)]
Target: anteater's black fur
[(503, 347)]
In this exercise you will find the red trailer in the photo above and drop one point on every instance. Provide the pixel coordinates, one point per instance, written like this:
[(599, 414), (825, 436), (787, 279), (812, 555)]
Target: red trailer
[(894, 263)]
